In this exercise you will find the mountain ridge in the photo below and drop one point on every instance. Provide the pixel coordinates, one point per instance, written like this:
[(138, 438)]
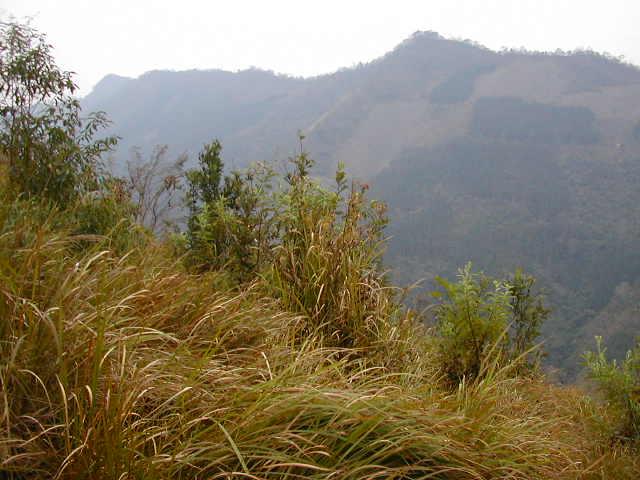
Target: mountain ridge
[(423, 56), (510, 159)]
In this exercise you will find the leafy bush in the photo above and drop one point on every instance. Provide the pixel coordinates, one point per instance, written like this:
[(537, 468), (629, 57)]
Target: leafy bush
[(528, 313), (620, 385), (109, 215), (484, 322), (232, 220), (318, 250), (471, 322)]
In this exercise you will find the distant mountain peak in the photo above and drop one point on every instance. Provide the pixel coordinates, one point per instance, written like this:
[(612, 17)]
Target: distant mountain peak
[(112, 80), (106, 88)]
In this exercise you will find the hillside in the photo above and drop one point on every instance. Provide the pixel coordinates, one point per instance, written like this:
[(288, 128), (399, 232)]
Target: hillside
[(507, 159), (265, 339), (420, 94)]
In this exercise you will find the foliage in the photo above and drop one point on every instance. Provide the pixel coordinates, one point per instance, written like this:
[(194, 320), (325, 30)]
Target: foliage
[(528, 314), (562, 216), (620, 385), (205, 182), (117, 362), (484, 321), (532, 191), (512, 118), (50, 148), (108, 215), (231, 220), (204, 191), (472, 322), (327, 263), (318, 250), (459, 86)]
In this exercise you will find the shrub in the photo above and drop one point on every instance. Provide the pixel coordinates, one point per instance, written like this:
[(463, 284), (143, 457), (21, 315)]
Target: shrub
[(107, 215), (318, 250), (528, 313), (232, 220), (485, 321), (471, 321), (327, 264), (620, 385)]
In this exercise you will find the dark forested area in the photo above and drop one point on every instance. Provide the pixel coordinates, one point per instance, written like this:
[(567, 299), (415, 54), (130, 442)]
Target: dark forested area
[(505, 205)]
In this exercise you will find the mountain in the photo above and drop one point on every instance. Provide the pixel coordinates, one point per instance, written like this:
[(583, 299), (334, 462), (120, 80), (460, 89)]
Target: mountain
[(506, 159)]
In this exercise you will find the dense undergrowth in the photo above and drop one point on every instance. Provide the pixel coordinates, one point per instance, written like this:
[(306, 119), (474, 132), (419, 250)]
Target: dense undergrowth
[(264, 342), (119, 363)]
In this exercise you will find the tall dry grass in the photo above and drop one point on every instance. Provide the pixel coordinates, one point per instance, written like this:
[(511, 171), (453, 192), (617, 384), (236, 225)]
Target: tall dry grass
[(125, 366)]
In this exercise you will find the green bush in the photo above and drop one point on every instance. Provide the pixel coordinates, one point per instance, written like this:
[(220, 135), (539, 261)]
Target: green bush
[(232, 221), (620, 385), (484, 321), (317, 250), (109, 219)]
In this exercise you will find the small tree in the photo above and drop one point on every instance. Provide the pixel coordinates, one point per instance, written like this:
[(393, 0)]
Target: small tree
[(230, 219), (528, 313), (50, 149), (483, 319), (205, 181), (471, 321)]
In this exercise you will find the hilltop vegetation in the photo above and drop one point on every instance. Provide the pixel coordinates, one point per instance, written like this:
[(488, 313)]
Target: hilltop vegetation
[(265, 340)]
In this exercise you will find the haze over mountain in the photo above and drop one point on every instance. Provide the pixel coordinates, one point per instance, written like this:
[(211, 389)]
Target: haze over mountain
[(506, 159)]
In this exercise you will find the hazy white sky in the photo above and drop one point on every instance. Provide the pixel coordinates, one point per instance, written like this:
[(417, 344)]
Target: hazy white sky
[(129, 37)]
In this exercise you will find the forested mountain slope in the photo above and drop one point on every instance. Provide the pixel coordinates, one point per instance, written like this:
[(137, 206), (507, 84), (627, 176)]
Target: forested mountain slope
[(506, 159)]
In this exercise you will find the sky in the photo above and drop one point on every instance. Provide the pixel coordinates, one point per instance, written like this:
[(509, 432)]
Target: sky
[(306, 38)]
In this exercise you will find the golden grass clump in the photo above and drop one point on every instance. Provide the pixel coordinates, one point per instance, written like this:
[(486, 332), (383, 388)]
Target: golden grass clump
[(126, 366)]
